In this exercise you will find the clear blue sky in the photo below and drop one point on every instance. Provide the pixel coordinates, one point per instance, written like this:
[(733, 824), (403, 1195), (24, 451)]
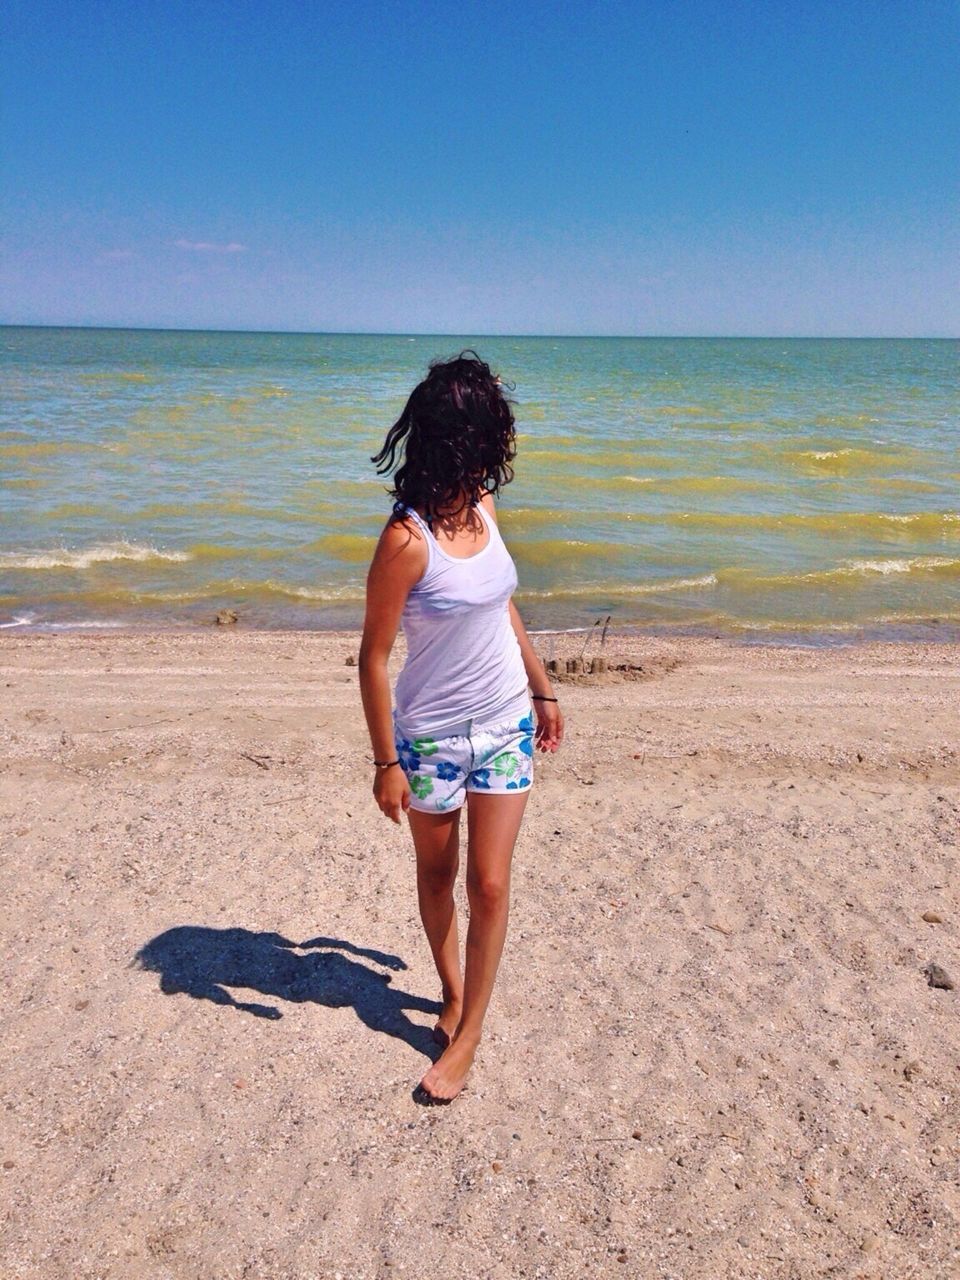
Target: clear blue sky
[(667, 167)]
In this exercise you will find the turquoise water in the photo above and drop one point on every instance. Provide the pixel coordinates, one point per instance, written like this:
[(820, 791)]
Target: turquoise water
[(153, 477)]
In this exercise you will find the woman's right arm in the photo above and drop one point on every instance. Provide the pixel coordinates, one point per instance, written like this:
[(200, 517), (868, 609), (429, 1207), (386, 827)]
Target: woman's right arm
[(398, 564)]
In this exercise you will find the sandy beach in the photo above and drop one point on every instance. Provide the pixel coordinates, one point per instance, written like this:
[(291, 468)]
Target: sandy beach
[(714, 1049)]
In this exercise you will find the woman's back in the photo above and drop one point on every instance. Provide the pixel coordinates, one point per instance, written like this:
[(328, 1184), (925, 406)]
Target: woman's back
[(463, 658)]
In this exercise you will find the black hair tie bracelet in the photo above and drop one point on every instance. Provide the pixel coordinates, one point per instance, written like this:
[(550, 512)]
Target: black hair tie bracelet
[(386, 764), (539, 697)]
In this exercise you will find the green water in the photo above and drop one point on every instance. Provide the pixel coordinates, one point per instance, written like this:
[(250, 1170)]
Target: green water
[(792, 485)]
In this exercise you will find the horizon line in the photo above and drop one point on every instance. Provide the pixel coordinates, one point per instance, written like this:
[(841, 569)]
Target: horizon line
[(567, 337)]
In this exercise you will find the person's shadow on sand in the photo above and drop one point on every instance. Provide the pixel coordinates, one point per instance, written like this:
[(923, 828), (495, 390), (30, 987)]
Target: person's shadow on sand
[(203, 962)]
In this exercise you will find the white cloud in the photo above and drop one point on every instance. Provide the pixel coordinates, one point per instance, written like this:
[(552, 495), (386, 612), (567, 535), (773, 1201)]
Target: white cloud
[(206, 246)]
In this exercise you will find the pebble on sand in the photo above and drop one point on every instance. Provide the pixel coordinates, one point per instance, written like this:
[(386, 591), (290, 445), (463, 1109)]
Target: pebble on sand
[(938, 977), (932, 917)]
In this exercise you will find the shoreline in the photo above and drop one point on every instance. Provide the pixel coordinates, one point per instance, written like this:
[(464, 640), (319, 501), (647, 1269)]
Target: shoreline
[(621, 644), (934, 632)]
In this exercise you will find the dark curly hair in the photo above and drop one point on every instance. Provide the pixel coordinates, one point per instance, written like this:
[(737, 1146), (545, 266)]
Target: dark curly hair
[(457, 436)]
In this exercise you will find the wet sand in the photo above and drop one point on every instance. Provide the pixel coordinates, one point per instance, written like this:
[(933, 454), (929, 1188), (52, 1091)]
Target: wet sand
[(713, 1050)]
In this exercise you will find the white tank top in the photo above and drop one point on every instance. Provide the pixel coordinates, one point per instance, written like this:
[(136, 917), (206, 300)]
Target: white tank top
[(463, 657)]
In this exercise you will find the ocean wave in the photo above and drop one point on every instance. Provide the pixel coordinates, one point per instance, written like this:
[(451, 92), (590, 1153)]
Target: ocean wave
[(355, 548), (557, 551), (219, 509), (46, 448), (615, 590), (847, 459), (843, 573), (116, 375), (914, 524), (587, 454), (103, 553), (238, 590), (745, 580), (269, 391), (919, 564), (83, 624), (685, 484), (917, 523), (321, 595), (673, 584)]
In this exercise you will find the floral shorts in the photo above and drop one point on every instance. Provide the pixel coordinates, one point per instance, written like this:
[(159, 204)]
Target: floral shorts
[(494, 758)]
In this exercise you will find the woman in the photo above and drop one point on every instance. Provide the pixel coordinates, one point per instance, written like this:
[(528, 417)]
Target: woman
[(462, 730)]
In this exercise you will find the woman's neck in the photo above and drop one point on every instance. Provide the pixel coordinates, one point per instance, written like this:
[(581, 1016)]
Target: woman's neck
[(460, 507), (458, 515)]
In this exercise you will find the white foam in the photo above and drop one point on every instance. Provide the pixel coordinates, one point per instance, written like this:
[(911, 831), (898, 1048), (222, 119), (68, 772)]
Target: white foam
[(626, 589), (947, 517), (34, 620), (898, 566), (672, 584), (64, 558), (330, 594)]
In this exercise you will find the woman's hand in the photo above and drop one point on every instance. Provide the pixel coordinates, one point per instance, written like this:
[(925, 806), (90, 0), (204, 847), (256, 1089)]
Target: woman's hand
[(549, 716), (549, 725), (391, 790)]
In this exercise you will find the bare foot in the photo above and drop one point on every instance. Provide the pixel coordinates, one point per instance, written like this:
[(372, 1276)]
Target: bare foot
[(448, 1074), (447, 1022)]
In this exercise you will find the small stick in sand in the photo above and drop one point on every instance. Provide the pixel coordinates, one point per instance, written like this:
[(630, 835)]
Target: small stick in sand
[(587, 641), (260, 761)]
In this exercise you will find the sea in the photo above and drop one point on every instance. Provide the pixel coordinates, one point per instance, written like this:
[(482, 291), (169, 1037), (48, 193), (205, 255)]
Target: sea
[(806, 490)]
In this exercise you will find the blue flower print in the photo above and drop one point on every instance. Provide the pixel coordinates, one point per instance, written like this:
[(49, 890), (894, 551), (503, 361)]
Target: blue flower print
[(518, 785), (409, 759), (526, 743), (447, 770), (481, 778)]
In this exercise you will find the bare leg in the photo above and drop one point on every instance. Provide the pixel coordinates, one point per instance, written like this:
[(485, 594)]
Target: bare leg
[(436, 838), (493, 822)]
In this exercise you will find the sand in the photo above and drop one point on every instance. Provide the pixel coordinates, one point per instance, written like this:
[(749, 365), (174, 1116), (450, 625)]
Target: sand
[(712, 1052)]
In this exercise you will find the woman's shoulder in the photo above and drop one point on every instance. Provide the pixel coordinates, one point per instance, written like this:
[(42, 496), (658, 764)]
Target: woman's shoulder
[(486, 501), (402, 535)]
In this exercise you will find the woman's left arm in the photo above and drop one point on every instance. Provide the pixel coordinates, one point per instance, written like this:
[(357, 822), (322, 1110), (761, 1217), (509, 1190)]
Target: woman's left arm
[(549, 715)]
